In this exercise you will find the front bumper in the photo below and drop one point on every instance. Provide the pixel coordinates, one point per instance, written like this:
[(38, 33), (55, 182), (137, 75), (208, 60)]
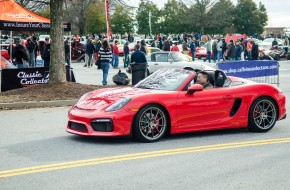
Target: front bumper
[(99, 123)]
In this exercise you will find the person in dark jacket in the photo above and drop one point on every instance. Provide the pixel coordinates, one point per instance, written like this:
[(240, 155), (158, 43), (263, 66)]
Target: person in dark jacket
[(239, 50), (31, 48), (255, 50), (232, 51), (224, 48), (34, 39), (166, 45), (138, 56), (143, 47), (98, 46), (20, 54), (89, 50), (46, 53), (126, 54), (66, 52)]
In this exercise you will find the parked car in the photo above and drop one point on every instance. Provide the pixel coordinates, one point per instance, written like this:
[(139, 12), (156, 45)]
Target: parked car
[(171, 60), (168, 101)]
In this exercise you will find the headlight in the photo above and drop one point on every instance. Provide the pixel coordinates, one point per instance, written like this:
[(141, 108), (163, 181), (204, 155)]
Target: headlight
[(118, 105), (84, 96)]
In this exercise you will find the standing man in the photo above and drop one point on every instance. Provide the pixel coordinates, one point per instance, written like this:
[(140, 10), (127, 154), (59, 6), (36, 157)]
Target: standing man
[(138, 56), (31, 48), (232, 51), (192, 48), (166, 46), (208, 50), (239, 50), (126, 54), (34, 39), (255, 50), (224, 48), (20, 54), (46, 52), (115, 55)]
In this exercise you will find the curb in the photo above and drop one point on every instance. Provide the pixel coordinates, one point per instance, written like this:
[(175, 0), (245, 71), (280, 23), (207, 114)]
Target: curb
[(55, 103)]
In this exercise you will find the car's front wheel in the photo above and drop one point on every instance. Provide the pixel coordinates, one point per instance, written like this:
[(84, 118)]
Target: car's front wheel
[(262, 115), (150, 123)]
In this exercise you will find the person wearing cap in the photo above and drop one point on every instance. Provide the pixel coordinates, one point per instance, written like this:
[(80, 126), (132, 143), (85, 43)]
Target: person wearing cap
[(46, 53)]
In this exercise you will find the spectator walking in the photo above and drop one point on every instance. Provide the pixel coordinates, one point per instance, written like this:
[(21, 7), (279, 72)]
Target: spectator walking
[(46, 52), (105, 56)]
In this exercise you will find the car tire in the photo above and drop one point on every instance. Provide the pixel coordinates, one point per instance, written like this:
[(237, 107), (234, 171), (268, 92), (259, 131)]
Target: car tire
[(262, 115), (150, 123)]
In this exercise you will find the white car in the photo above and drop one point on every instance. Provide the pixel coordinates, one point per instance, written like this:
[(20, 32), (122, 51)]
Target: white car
[(268, 41), (42, 37), (161, 60)]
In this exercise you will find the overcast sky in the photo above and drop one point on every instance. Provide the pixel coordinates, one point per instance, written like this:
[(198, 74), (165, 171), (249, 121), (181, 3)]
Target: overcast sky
[(278, 10)]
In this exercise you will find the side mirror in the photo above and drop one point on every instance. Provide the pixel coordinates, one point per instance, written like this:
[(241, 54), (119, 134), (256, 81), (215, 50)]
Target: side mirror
[(194, 88)]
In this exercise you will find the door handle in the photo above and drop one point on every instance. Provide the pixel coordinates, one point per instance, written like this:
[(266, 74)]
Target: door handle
[(156, 64), (228, 97)]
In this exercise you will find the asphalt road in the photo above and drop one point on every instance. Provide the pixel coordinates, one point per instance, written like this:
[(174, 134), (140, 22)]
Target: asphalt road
[(36, 153)]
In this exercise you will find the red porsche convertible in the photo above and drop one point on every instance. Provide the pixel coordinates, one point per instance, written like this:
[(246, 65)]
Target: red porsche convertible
[(168, 101)]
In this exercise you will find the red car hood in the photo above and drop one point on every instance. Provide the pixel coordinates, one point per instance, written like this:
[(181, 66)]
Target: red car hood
[(101, 99)]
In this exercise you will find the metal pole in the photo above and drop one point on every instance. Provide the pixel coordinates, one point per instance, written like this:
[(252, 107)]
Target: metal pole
[(11, 46), (150, 22)]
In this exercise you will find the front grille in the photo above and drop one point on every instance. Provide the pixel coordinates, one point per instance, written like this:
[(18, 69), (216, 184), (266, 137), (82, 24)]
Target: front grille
[(102, 125), (78, 127)]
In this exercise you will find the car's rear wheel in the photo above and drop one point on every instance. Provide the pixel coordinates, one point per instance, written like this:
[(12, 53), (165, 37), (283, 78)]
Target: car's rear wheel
[(262, 115), (150, 123)]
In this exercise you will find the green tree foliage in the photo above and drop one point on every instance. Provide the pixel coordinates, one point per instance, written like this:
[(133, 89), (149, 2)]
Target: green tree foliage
[(121, 21), (45, 12), (96, 19), (263, 17), (199, 14), (173, 16), (249, 19), (221, 18), (142, 18)]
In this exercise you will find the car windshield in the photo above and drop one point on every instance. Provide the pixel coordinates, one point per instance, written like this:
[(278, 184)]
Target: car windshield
[(177, 57), (165, 79)]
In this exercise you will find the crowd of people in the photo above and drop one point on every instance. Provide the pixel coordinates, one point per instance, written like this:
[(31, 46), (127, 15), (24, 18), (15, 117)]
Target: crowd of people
[(104, 52)]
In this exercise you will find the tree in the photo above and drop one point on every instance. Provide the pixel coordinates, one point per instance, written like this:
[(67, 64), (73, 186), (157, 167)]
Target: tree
[(248, 18), (142, 18), (172, 13), (76, 12), (45, 12), (96, 18), (199, 14), (221, 19), (57, 65), (121, 21), (33, 5), (263, 17)]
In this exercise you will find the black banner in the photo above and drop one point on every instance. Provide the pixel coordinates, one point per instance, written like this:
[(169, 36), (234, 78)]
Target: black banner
[(18, 78), (29, 26)]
